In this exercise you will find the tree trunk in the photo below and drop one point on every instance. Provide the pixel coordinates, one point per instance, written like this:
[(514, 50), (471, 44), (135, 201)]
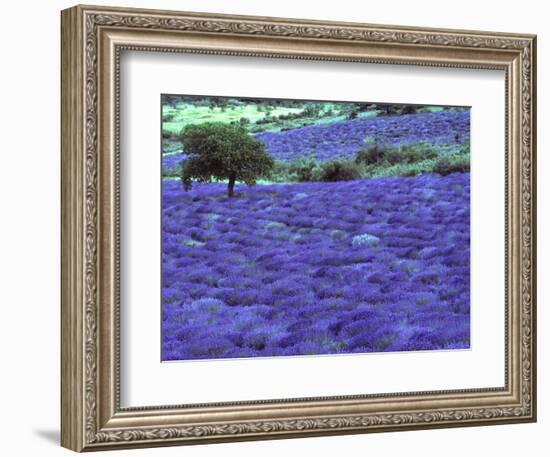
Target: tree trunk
[(231, 186)]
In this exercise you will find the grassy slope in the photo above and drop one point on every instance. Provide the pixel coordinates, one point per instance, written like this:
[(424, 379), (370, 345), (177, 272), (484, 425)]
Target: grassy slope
[(185, 114)]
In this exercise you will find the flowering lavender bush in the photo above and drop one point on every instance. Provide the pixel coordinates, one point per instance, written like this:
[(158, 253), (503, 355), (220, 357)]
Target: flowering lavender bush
[(319, 268)]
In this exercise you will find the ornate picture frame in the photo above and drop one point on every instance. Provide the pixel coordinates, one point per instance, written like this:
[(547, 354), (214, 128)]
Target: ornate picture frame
[(93, 39)]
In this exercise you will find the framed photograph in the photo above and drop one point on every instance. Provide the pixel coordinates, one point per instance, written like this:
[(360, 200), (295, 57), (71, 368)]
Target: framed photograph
[(274, 228)]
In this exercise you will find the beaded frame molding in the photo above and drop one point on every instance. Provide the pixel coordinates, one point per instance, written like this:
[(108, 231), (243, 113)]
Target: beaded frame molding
[(92, 40)]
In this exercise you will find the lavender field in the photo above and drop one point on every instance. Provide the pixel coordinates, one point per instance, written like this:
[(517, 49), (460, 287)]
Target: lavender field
[(446, 130), (342, 139), (363, 264)]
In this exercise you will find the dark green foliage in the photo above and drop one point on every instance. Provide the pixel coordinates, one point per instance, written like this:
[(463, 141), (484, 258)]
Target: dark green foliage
[(381, 159), (288, 116), (431, 154), (223, 152), (373, 153), (411, 172), (303, 169), (409, 154), (265, 120), (363, 107), (396, 155), (311, 110), (376, 159), (340, 170), (445, 165), (379, 153), (171, 100), (279, 172), (219, 102), (397, 110), (408, 109), (306, 169)]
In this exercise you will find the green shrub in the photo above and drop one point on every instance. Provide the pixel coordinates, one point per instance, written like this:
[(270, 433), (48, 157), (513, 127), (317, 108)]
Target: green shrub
[(378, 153), (442, 166), (281, 173), (373, 153), (306, 169), (431, 154), (311, 110), (340, 170), (397, 155), (411, 172), (303, 169), (411, 154), (408, 109), (445, 165), (392, 110), (265, 120)]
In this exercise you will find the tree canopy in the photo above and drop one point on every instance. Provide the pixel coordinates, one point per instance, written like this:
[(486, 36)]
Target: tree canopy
[(223, 152)]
